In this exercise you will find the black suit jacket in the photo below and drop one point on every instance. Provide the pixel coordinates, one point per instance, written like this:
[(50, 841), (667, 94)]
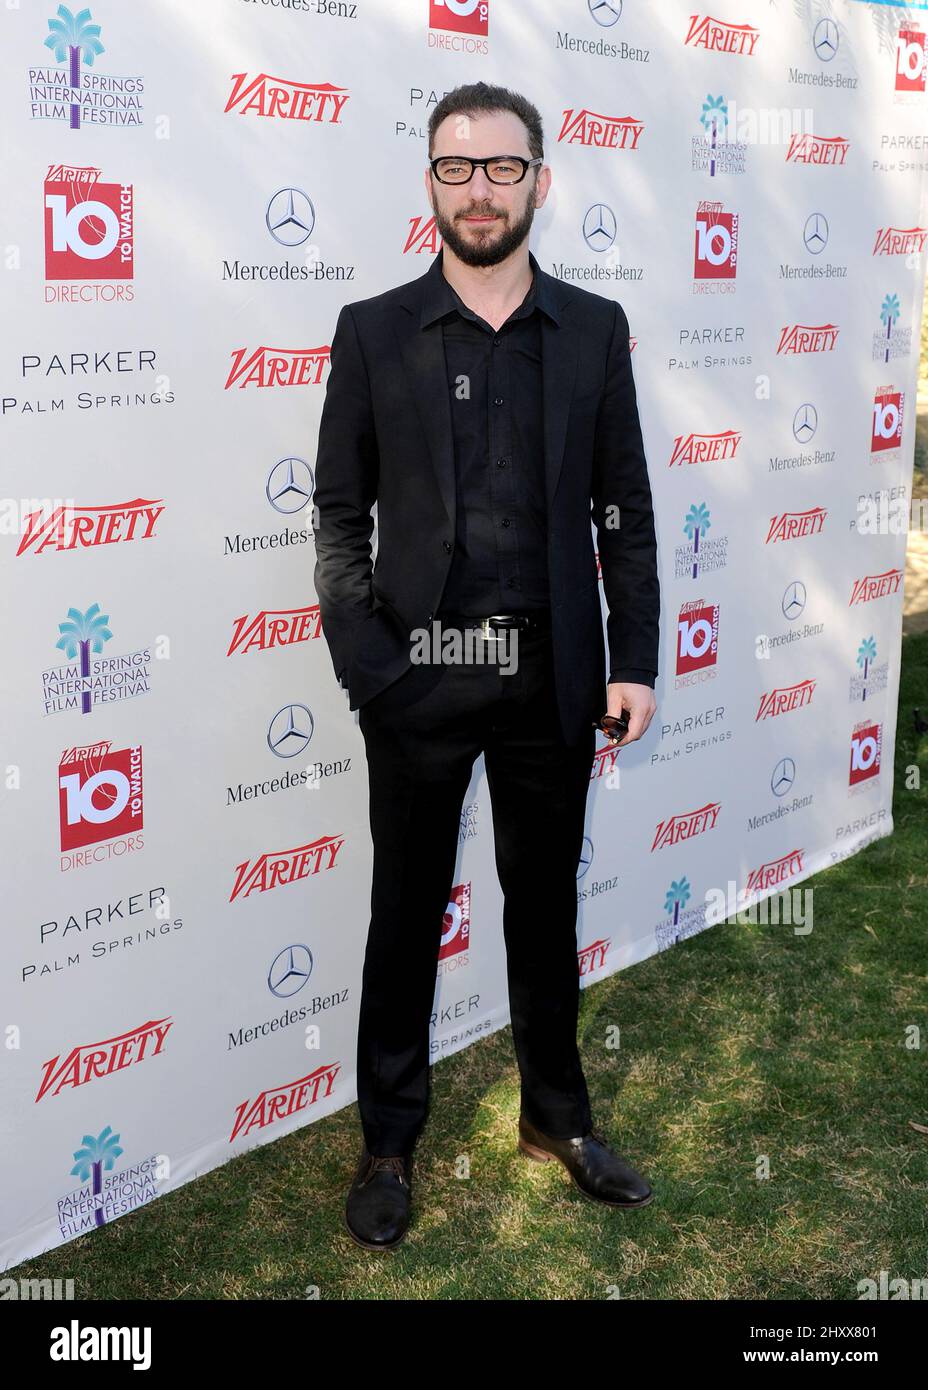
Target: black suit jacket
[(385, 436)]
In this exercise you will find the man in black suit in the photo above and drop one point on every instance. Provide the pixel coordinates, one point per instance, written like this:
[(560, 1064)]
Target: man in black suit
[(489, 410)]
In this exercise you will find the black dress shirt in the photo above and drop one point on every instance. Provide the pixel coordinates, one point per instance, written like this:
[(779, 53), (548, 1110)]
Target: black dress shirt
[(495, 384)]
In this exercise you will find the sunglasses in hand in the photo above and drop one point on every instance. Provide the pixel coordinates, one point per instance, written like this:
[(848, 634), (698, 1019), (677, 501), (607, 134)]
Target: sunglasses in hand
[(614, 726)]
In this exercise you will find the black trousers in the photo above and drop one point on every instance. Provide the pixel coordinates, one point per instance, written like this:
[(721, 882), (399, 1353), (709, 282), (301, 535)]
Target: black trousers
[(422, 736)]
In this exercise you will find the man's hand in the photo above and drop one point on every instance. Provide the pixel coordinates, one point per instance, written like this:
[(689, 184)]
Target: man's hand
[(638, 700)]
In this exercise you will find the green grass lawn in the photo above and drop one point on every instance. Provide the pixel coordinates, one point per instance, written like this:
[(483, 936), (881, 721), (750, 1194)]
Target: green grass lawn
[(742, 1042)]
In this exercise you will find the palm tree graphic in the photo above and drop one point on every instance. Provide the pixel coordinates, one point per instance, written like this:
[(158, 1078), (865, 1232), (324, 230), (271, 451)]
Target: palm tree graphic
[(866, 653), (889, 311), (697, 524), (677, 896), (80, 633), (714, 117), (96, 1155), (72, 37)]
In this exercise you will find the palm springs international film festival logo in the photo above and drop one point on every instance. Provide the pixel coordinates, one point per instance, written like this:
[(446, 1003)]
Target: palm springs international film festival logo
[(714, 151), (108, 1192), (65, 93), (88, 682), (701, 554), (890, 341), (679, 921)]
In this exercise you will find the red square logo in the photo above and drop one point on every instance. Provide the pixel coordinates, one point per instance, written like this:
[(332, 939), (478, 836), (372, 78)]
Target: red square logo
[(460, 16), (88, 230), (99, 794), (455, 929)]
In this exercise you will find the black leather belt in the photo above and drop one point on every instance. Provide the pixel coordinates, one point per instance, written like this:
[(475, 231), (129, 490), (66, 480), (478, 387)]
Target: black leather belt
[(536, 621)]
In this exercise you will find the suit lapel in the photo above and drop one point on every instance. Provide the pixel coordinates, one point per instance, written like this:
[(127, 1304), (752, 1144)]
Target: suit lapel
[(424, 362)]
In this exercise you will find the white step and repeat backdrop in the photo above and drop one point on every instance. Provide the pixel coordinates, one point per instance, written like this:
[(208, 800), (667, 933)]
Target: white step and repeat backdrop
[(191, 192)]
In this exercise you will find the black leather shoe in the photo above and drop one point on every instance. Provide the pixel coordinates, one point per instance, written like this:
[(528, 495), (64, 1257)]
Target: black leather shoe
[(597, 1171), (377, 1209)]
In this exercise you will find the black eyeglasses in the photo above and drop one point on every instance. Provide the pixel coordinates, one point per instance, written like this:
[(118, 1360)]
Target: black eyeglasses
[(500, 168)]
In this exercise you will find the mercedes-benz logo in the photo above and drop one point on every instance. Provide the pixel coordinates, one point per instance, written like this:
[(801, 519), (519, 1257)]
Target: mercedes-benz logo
[(290, 217), (815, 233), (290, 731), (290, 485), (605, 12), (783, 777), (805, 423), (794, 600), (290, 969), (599, 227), (825, 40), (586, 856)]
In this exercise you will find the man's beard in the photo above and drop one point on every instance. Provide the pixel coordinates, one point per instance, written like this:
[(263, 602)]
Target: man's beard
[(484, 250)]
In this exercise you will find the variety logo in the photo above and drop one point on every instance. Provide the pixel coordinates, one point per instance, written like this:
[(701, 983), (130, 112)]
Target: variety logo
[(866, 750), (888, 408), (716, 247), (874, 586), (699, 555), (455, 926), (115, 678), (791, 526), (718, 36), (279, 97), (99, 794), (275, 868), (72, 528), (95, 99), (280, 627), (697, 637), (686, 825), (281, 1101), (605, 763), (910, 61), (422, 236), (89, 230), (870, 678), (799, 338), (583, 127), (264, 366), (87, 1061), (774, 873), (900, 241), (805, 148), (705, 448), (593, 957), (784, 699)]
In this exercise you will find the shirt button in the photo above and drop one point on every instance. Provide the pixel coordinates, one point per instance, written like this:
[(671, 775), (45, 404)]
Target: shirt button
[(446, 544), (497, 341), (501, 463), (506, 521), (498, 401), (511, 584)]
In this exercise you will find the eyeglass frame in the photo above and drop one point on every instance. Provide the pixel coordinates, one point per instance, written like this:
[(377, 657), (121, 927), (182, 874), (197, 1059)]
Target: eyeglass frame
[(497, 183)]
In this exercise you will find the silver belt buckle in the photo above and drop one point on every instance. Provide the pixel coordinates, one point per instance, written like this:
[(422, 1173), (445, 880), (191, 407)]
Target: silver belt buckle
[(485, 625)]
